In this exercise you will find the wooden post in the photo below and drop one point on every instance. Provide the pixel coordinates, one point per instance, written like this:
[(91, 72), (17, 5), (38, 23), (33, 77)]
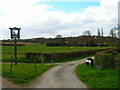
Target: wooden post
[(42, 60), (35, 63), (7, 56), (11, 64), (51, 61)]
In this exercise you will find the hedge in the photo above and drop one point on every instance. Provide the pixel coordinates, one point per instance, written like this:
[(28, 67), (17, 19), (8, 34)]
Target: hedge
[(61, 56), (105, 59), (13, 44), (54, 57)]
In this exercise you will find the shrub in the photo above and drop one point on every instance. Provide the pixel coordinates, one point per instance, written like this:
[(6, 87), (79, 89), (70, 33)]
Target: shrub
[(30, 57), (13, 44), (57, 57), (54, 44), (105, 60)]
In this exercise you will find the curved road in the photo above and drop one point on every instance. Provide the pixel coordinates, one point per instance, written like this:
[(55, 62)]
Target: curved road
[(61, 76)]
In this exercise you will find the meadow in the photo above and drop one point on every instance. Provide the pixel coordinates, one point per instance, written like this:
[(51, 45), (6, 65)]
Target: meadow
[(45, 49), (8, 52)]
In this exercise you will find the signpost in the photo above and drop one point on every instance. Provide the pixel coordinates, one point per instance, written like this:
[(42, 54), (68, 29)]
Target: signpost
[(15, 34)]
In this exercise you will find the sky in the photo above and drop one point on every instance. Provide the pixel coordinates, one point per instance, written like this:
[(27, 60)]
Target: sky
[(48, 18)]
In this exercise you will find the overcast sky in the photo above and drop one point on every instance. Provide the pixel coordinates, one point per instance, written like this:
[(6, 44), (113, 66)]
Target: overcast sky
[(48, 18)]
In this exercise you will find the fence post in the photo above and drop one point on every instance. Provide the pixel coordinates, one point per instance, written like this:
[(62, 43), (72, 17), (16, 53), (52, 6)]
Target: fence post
[(11, 64), (42, 60), (51, 61), (7, 56), (35, 63)]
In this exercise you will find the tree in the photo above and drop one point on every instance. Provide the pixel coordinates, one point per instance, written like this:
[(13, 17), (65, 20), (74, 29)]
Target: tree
[(87, 33), (102, 32), (112, 33), (59, 36), (98, 32)]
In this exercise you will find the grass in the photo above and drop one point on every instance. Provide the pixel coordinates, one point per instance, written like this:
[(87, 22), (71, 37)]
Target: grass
[(6, 50), (119, 55), (44, 49), (23, 73), (98, 78)]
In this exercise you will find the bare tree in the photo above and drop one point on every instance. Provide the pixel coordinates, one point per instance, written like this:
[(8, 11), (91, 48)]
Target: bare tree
[(112, 33), (98, 32), (102, 32), (59, 36), (87, 33)]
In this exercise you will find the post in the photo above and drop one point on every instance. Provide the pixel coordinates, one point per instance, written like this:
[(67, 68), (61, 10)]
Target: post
[(42, 60), (35, 63), (11, 64), (15, 51), (15, 34)]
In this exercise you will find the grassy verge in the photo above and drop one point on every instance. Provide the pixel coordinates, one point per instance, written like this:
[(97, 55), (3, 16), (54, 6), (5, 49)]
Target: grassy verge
[(98, 78), (23, 73)]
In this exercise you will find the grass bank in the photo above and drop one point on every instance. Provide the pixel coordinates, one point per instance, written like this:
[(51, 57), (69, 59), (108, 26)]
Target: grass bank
[(98, 78), (23, 73)]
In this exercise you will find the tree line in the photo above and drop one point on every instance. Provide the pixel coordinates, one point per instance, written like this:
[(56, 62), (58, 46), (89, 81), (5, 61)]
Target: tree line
[(86, 39)]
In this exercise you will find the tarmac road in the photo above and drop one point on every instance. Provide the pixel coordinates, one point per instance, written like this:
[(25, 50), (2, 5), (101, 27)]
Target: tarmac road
[(61, 76)]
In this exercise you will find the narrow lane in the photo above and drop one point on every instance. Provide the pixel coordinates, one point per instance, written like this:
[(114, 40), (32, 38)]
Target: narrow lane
[(61, 76)]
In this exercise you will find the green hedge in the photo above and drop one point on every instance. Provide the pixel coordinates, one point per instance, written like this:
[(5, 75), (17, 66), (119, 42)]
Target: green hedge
[(54, 57), (60, 57), (105, 60)]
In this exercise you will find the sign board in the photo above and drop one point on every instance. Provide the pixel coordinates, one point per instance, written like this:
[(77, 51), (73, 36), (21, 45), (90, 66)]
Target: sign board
[(15, 32)]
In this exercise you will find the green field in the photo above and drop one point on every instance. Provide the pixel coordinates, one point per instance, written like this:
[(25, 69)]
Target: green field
[(8, 51), (44, 49), (23, 73), (98, 78)]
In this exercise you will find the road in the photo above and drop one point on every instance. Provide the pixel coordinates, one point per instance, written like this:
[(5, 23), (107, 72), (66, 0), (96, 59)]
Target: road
[(3, 86), (61, 76)]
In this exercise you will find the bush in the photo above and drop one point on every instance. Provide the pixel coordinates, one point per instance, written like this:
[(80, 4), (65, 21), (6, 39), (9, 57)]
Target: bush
[(30, 57), (57, 57), (13, 44), (54, 44), (105, 60)]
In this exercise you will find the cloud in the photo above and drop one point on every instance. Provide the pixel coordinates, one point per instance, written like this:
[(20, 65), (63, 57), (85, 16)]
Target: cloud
[(37, 20)]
